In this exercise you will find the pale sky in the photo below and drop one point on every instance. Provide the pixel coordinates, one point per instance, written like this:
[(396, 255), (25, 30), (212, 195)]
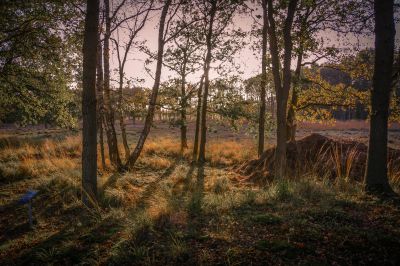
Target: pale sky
[(249, 63)]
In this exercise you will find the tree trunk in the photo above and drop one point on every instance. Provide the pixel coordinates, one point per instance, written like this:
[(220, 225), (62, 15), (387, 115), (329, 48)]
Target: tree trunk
[(396, 79), (121, 66), (101, 140), (109, 113), (153, 98), (273, 109), (291, 117), (376, 177), (203, 134), (281, 87), (121, 116), (89, 132), (198, 119), (100, 106), (183, 110), (261, 122)]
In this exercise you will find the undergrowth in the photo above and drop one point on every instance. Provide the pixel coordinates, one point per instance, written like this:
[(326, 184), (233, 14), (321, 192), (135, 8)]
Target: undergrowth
[(171, 211)]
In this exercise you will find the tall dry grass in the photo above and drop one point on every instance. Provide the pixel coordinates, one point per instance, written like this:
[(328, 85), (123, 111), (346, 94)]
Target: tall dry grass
[(24, 159), (21, 159), (347, 165), (157, 152), (135, 205)]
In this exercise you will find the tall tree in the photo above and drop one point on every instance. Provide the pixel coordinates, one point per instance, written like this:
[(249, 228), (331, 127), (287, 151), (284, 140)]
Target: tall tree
[(282, 86), (109, 112), (184, 60), (40, 60), (184, 57), (217, 16), (153, 98), (313, 18), (198, 120), (203, 124), (175, 96), (100, 105), (376, 176), (141, 12), (89, 106), (263, 83)]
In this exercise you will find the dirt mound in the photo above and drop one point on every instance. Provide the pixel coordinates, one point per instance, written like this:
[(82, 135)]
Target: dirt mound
[(318, 155)]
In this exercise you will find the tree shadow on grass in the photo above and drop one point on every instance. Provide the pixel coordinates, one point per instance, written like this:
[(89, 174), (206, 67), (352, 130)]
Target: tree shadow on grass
[(195, 220), (108, 201), (198, 193), (143, 201), (74, 243), (13, 222), (179, 193), (110, 182), (65, 231), (188, 179), (80, 238), (47, 205)]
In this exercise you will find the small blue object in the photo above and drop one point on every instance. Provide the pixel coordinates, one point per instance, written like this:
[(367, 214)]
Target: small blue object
[(27, 197)]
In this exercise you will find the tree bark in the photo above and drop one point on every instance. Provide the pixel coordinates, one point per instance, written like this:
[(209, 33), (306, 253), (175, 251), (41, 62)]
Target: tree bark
[(376, 177), (89, 106), (109, 112), (100, 106), (198, 119), (261, 122), (153, 98), (273, 109), (203, 128), (396, 79)]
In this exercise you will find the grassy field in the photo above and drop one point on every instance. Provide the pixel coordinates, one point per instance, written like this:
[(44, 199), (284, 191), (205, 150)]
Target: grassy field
[(172, 212)]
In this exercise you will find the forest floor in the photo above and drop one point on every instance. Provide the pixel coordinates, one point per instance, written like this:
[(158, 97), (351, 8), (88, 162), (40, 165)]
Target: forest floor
[(172, 212)]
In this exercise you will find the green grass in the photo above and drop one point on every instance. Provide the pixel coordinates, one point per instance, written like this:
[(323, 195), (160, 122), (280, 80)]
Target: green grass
[(177, 213)]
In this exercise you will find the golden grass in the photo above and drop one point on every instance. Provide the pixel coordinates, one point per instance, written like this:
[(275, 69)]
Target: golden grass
[(162, 146), (41, 159), (218, 153), (135, 205), (158, 207), (155, 162), (125, 195), (394, 174), (48, 148), (228, 153), (343, 161)]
